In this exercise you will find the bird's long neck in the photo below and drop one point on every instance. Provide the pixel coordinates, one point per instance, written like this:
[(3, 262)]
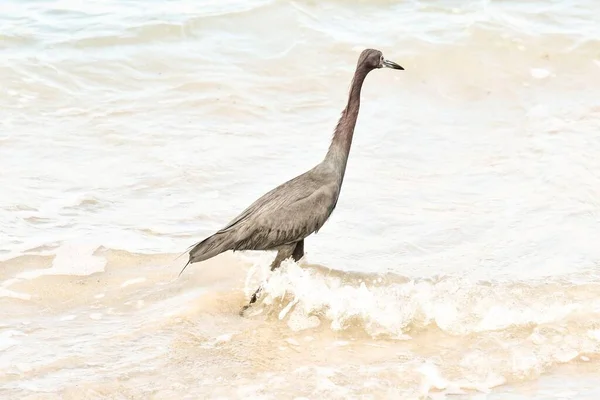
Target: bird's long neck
[(337, 156)]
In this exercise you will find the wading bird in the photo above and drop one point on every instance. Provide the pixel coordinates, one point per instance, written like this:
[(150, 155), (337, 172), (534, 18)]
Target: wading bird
[(282, 218)]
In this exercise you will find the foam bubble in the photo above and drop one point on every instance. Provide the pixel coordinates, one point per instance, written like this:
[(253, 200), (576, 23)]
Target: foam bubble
[(96, 316), (226, 337), (540, 73), (133, 281)]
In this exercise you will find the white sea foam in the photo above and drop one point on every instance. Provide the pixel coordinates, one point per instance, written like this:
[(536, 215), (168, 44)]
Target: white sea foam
[(7, 338), (224, 338), (15, 295), (540, 73), (434, 381), (72, 258), (456, 305), (133, 281)]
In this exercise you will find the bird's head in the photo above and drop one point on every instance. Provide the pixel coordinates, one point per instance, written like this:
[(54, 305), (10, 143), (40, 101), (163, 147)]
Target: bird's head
[(371, 59)]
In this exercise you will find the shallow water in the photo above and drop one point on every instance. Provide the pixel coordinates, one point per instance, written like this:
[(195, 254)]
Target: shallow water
[(462, 257)]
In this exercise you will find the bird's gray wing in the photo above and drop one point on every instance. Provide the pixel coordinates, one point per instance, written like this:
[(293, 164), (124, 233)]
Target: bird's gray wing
[(295, 188), (286, 214)]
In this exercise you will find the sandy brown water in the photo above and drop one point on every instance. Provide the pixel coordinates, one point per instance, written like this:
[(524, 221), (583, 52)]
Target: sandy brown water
[(462, 260)]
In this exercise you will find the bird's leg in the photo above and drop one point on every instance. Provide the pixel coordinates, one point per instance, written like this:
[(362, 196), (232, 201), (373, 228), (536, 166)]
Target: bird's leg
[(283, 253), (298, 251)]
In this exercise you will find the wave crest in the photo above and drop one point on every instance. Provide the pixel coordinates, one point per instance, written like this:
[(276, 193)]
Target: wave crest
[(394, 306)]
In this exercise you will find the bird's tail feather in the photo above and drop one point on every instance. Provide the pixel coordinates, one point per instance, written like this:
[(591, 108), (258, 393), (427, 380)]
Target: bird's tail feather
[(208, 248), (185, 251)]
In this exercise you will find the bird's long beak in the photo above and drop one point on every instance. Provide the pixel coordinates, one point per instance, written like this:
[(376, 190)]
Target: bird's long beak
[(391, 64)]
